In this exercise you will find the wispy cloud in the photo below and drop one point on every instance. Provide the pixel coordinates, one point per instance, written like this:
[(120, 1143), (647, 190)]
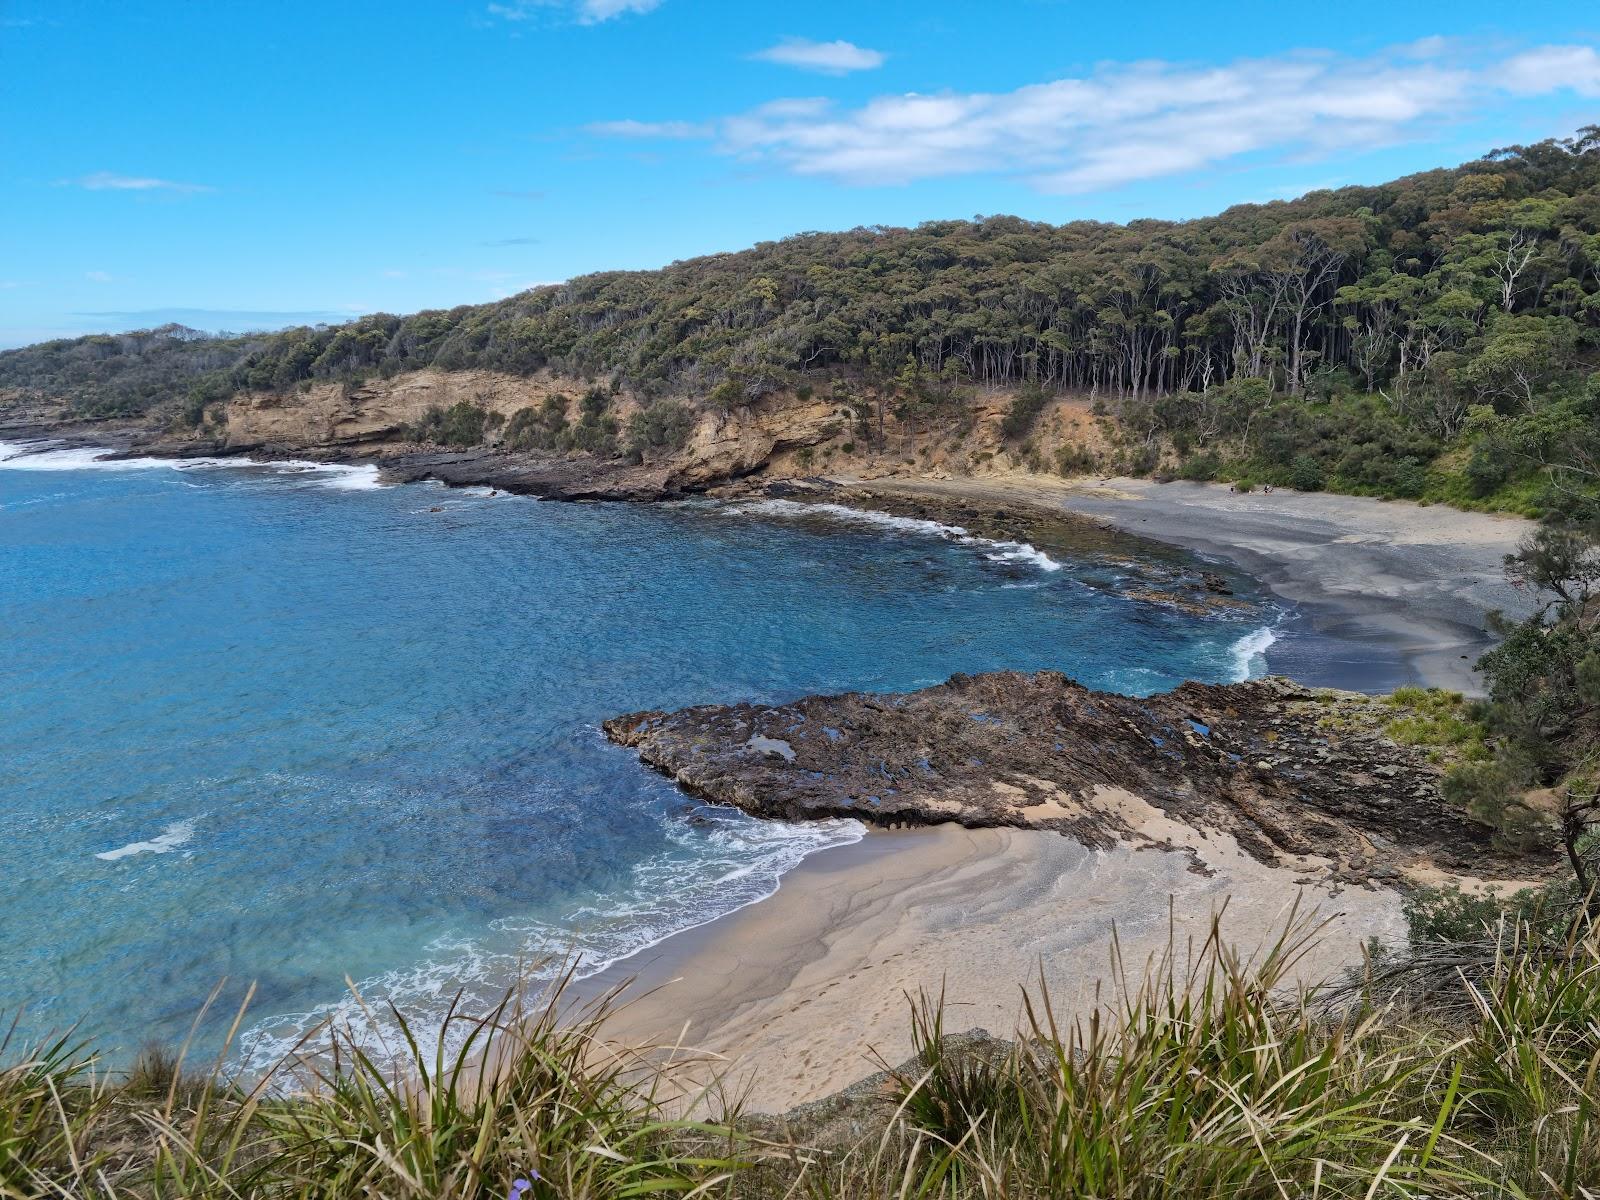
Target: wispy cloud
[(1122, 123), (1548, 68), (668, 130), (100, 277), (828, 58), (604, 10), (110, 181), (474, 274), (512, 241), (586, 12), (510, 194)]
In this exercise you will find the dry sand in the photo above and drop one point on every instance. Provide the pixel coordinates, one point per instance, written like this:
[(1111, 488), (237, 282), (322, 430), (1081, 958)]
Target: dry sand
[(796, 995)]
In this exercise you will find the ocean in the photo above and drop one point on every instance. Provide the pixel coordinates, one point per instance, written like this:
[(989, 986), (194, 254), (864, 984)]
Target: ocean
[(282, 725)]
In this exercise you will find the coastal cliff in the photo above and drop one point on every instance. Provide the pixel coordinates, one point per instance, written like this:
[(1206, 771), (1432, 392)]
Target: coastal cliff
[(1292, 774), (383, 420)]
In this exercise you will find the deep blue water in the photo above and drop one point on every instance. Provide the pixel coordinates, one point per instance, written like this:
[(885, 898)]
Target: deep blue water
[(286, 726)]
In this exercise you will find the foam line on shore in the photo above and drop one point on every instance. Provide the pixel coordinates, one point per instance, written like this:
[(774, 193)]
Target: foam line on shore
[(994, 550), (741, 861)]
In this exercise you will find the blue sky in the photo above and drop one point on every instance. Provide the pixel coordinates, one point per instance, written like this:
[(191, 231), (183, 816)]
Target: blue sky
[(245, 166)]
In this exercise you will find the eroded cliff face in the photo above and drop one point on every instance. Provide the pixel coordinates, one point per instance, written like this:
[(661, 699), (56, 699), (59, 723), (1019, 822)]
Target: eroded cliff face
[(376, 411), (374, 419), (783, 434)]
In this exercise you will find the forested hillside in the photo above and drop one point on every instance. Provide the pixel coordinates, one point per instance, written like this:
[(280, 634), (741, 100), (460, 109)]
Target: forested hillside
[(1433, 336)]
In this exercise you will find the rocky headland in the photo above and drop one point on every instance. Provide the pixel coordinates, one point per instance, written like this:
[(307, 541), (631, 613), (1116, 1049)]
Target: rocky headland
[(1294, 775), (374, 421)]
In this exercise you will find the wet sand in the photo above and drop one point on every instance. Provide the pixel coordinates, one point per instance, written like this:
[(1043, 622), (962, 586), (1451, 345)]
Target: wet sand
[(1392, 580)]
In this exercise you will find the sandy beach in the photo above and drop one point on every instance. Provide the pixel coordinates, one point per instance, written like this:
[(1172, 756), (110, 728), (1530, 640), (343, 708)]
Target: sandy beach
[(794, 996), (802, 994), (1415, 582)]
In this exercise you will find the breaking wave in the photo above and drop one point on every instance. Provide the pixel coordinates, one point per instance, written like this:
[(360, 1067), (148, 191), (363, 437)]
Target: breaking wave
[(993, 549), (49, 456), (1249, 653), (725, 861), (177, 834)]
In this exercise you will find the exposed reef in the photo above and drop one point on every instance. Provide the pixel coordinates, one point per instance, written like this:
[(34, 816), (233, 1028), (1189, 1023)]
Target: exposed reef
[(1291, 773)]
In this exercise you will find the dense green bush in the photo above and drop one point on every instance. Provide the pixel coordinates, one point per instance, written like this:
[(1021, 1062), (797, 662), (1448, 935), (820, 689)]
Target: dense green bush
[(664, 425), (1200, 468), (537, 428), (1306, 474), (595, 430), (1026, 406), (462, 424)]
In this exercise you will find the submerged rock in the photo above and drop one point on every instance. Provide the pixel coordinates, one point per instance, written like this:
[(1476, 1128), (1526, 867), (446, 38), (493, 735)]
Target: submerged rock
[(1287, 771)]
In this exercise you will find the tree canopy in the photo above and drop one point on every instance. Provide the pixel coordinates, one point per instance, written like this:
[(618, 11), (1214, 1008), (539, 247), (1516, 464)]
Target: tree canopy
[(1467, 299)]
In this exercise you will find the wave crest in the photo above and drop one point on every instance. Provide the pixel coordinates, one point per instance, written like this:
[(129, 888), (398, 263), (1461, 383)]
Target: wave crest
[(996, 550), (1249, 653), (49, 456), (727, 862)]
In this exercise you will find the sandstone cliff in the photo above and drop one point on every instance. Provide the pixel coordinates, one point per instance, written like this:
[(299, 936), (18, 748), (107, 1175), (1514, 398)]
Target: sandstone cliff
[(781, 434)]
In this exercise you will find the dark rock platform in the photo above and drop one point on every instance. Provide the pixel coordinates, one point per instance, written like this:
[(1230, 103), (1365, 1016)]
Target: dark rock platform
[(1287, 771)]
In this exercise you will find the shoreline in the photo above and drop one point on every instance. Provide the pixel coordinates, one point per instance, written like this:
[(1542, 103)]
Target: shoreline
[(1395, 592), (1394, 583), (791, 992), (797, 996), (801, 994)]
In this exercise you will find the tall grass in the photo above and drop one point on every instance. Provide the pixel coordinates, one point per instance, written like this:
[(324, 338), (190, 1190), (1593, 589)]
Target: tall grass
[(1217, 1078), (538, 1096), (1208, 1074)]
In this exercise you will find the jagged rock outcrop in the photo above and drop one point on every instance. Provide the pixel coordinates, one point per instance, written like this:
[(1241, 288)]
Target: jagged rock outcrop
[(1287, 771)]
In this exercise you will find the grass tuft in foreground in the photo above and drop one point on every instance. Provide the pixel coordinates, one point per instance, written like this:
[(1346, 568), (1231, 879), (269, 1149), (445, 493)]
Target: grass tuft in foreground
[(1210, 1075)]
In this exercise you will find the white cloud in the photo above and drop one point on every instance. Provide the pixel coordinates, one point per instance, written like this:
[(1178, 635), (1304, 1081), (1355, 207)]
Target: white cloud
[(1122, 123), (830, 58), (1426, 47), (1549, 68), (587, 12), (99, 276), (593, 11), (103, 181), (651, 129)]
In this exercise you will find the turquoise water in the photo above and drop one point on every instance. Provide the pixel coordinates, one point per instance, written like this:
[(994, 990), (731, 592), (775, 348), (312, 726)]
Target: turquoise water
[(281, 724)]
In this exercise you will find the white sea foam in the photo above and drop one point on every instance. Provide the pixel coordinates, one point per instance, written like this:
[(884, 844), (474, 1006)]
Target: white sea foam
[(994, 550), (724, 863), (177, 834), (1249, 653), (47, 456)]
